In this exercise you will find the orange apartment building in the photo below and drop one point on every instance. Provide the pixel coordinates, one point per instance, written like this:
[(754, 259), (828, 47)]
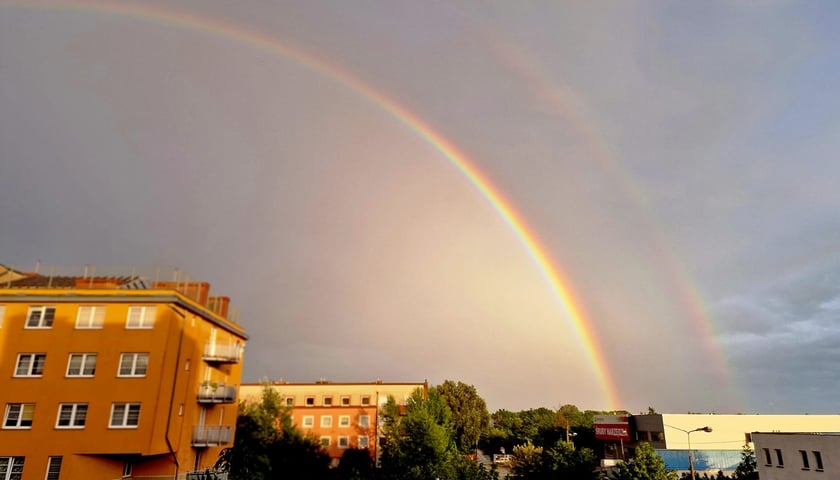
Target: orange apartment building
[(339, 415), (114, 377)]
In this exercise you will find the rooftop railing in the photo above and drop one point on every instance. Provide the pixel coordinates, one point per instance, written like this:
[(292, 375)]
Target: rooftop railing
[(115, 277)]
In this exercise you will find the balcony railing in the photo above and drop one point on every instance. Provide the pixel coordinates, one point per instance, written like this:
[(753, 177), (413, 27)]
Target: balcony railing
[(221, 393), (207, 475), (222, 352), (212, 435)]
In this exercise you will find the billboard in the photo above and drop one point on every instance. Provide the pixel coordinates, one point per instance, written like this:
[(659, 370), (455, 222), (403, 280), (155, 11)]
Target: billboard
[(612, 427)]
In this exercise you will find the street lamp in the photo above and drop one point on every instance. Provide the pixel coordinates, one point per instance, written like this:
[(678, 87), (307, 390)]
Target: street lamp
[(688, 434)]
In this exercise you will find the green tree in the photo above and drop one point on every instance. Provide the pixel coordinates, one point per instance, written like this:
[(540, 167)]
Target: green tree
[(746, 470), (646, 465), (527, 462), (269, 446), (355, 464), (470, 419), (563, 460), (419, 444)]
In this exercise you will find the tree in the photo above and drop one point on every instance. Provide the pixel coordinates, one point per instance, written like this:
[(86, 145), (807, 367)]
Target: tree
[(268, 445), (419, 443), (746, 470), (470, 418), (527, 461), (563, 460), (646, 465), (355, 464)]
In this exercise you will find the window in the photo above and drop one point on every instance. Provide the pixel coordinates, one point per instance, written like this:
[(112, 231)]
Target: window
[(363, 441), (325, 442), (818, 460), (805, 463), (125, 415), (326, 420), (30, 364), (133, 364), (781, 463), (365, 399), (767, 460), (310, 401), (53, 468), (90, 317), (19, 415), (71, 415), (11, 468), (2, 314), (81, 365), (140, 317), (343, 442), (364, 420), (40, 317), (308, 421), (344, 421), (345, 401), (127, 468), (327, 401), (289, 401)]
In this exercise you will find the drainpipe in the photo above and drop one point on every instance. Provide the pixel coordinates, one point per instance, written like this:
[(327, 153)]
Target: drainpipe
[(172, 391)]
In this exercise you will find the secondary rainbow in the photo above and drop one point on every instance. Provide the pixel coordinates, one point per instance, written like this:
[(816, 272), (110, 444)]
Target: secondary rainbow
[(559, 285)]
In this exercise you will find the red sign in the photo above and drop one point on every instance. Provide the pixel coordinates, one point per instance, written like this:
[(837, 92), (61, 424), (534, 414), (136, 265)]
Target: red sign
[(612, 427)]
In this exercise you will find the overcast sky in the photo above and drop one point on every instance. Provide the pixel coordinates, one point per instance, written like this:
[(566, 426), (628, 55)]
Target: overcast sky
[(677, 160)]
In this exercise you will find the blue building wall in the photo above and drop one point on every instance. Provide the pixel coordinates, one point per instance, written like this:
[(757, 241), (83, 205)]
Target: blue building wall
[(726, 460)]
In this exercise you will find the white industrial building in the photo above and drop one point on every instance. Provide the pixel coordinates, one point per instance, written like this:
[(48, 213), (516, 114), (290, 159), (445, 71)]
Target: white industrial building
[(720, 448)]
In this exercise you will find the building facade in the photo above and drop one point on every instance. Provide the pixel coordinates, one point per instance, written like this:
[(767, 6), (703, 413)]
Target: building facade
[(797, 456), (114, 377), (339, 415), (719, 449)]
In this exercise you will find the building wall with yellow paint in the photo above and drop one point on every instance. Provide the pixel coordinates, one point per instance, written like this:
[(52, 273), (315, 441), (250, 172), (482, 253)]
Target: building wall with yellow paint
[(187, 393)]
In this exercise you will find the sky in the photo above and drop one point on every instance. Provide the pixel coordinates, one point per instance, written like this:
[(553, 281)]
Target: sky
[(674, 162)]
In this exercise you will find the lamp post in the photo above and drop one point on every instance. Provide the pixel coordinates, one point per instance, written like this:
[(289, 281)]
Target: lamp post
[(688, 435)]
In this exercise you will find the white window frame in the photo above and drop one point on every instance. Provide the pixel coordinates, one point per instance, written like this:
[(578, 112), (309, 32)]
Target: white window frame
[(146, 320), (11, 468), (128, 467), (43, 322), (365, 400), (122, 416), (345, 400), (344, 420), (88, 361), (20, 414), (30, 369), (326, 421), (308, 421), (134, 356), (359, 441), (327, 401), (309, 401), (289, 401), (364, 421), (346, 441), (90, 317), (78, 411), (53, 468), (323, 443)]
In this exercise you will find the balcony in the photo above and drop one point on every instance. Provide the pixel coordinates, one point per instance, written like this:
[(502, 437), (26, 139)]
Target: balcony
[(211, 435), (216, 393), (222, 352), (206, 475)]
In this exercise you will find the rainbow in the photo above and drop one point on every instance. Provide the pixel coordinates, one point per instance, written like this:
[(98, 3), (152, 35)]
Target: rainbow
[(559, 285)]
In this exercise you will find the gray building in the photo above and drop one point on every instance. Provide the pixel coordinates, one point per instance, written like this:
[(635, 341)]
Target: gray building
[(797, 456)]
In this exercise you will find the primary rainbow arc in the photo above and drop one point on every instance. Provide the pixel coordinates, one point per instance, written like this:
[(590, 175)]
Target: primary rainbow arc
[(539, 254)]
